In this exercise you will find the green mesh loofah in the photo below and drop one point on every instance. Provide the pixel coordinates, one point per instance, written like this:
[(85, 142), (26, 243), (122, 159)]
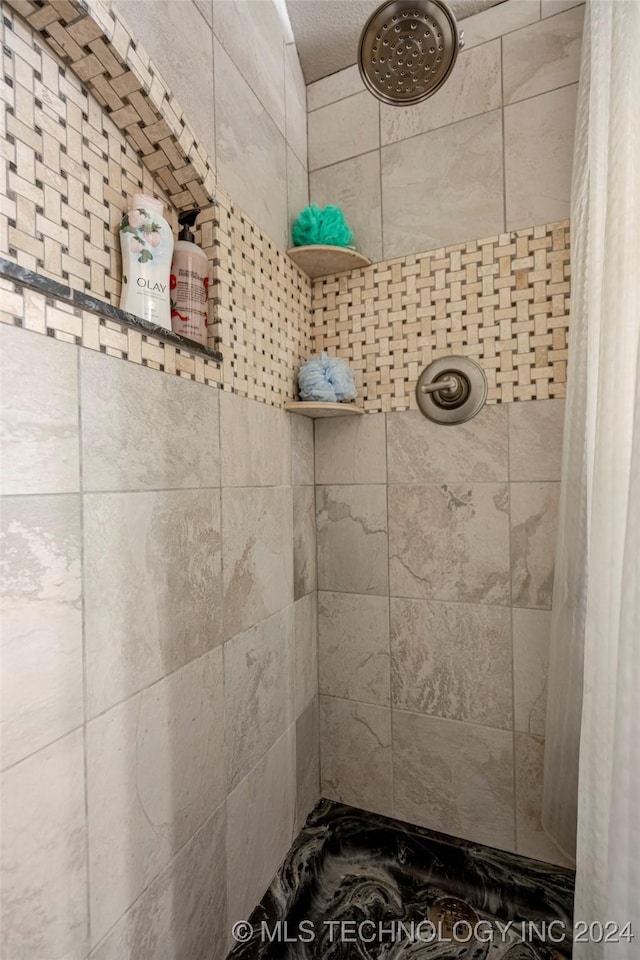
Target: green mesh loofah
[(316, 225)]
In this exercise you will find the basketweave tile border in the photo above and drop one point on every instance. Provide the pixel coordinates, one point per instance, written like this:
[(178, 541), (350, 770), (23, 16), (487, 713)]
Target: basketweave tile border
[(502, 300), (25, 303), (262, 306), (94, 41), (70, 173)]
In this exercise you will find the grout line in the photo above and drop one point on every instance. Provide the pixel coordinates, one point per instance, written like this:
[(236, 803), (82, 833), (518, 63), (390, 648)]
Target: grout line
[(223, 642), (444, 126), (83, 620), (247, 83), (513, 672), (213, 94), (439, 600), (504, 141), (391, 724), (461, 24), (415, 713), (160, 873), (381, 193), (336, 163), (45, 746)]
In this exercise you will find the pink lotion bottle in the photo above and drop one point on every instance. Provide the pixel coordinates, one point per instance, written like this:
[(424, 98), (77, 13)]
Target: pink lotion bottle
[(189, 284)]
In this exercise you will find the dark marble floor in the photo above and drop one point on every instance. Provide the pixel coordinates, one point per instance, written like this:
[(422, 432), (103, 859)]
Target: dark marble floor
[(358, 886)]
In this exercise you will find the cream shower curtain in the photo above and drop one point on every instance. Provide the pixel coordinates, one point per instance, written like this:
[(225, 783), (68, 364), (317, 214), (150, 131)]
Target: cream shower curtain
[(593, 716)]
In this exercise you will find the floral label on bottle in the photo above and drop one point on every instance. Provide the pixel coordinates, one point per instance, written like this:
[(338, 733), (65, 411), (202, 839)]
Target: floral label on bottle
[(146, 240), (146, 233)]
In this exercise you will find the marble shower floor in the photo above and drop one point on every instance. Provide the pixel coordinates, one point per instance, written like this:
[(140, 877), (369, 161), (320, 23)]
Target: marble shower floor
[(358, 886)]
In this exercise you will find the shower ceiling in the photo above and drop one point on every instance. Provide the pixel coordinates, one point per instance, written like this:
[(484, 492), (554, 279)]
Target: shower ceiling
[(327, 31)]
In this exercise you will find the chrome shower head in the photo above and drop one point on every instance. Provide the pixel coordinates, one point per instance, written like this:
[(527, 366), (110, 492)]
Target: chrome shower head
[(408, 49)]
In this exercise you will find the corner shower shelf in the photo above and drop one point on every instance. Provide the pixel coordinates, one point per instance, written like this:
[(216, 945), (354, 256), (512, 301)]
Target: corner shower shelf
[(316, 409), (320, 260)]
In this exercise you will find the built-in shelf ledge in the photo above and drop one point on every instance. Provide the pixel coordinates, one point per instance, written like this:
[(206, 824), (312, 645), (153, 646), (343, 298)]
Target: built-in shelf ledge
[(84, 301), (319, 260), (315, 409)]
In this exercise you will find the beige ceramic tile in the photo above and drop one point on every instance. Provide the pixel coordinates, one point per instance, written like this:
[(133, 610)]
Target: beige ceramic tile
[(250, 150), (352, 538), (304, 541), (305, 626), (539, 157), (351, 450), (152, 587), (252, 36), (38, 414), (296, 102), (499, 20), (40, 623), (353, 647), (188, 70), (337, 86), (257, 554), (543, 56), (532, 841), (161, 432), (535, 440), (444, 186), (259, 692), (534, 527), (450, 542), (419, 451), (343, 129), (355, 754), (454, 777), (297, 195), (44, 886), (155, 772), (549, 8), (452, 660), (472, 88), (260, 823), (255, 448), (302, 456), (531, 634), (354, 185), (184, 906), (307, 762), (206, 9)]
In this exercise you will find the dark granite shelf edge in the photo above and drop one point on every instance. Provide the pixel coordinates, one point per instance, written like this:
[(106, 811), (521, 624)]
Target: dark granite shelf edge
[(84, 301)]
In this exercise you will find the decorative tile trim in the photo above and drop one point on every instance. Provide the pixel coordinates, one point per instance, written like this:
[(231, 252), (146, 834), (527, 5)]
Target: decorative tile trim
[(91, 38), (71, 172), (263, 308), (85, 303), (75, 155), (94, 328), (68, 173), (503, 300)]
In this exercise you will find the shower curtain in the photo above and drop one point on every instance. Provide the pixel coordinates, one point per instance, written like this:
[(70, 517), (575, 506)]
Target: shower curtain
[(592, 763)]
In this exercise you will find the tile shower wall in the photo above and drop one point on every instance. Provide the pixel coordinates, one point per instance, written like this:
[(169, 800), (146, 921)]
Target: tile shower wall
[(503, 301), (435, 570), (242, 88), (159, 681), (488, 153), (69, 173)]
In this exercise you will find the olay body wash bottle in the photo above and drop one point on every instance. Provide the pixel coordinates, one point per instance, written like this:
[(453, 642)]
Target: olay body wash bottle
[(146, 241)]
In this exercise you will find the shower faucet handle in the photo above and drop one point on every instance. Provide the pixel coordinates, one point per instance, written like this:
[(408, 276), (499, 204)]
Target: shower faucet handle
[(446, 385)]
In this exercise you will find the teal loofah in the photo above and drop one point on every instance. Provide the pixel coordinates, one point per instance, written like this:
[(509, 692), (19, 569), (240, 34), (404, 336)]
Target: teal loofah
[(316, 225)]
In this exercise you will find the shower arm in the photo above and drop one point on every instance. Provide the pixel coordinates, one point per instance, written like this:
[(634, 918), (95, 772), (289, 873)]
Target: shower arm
[(446, 385)]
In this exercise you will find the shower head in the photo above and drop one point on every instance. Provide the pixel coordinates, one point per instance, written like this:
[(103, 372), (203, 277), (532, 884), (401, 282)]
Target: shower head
[(408, 49)]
